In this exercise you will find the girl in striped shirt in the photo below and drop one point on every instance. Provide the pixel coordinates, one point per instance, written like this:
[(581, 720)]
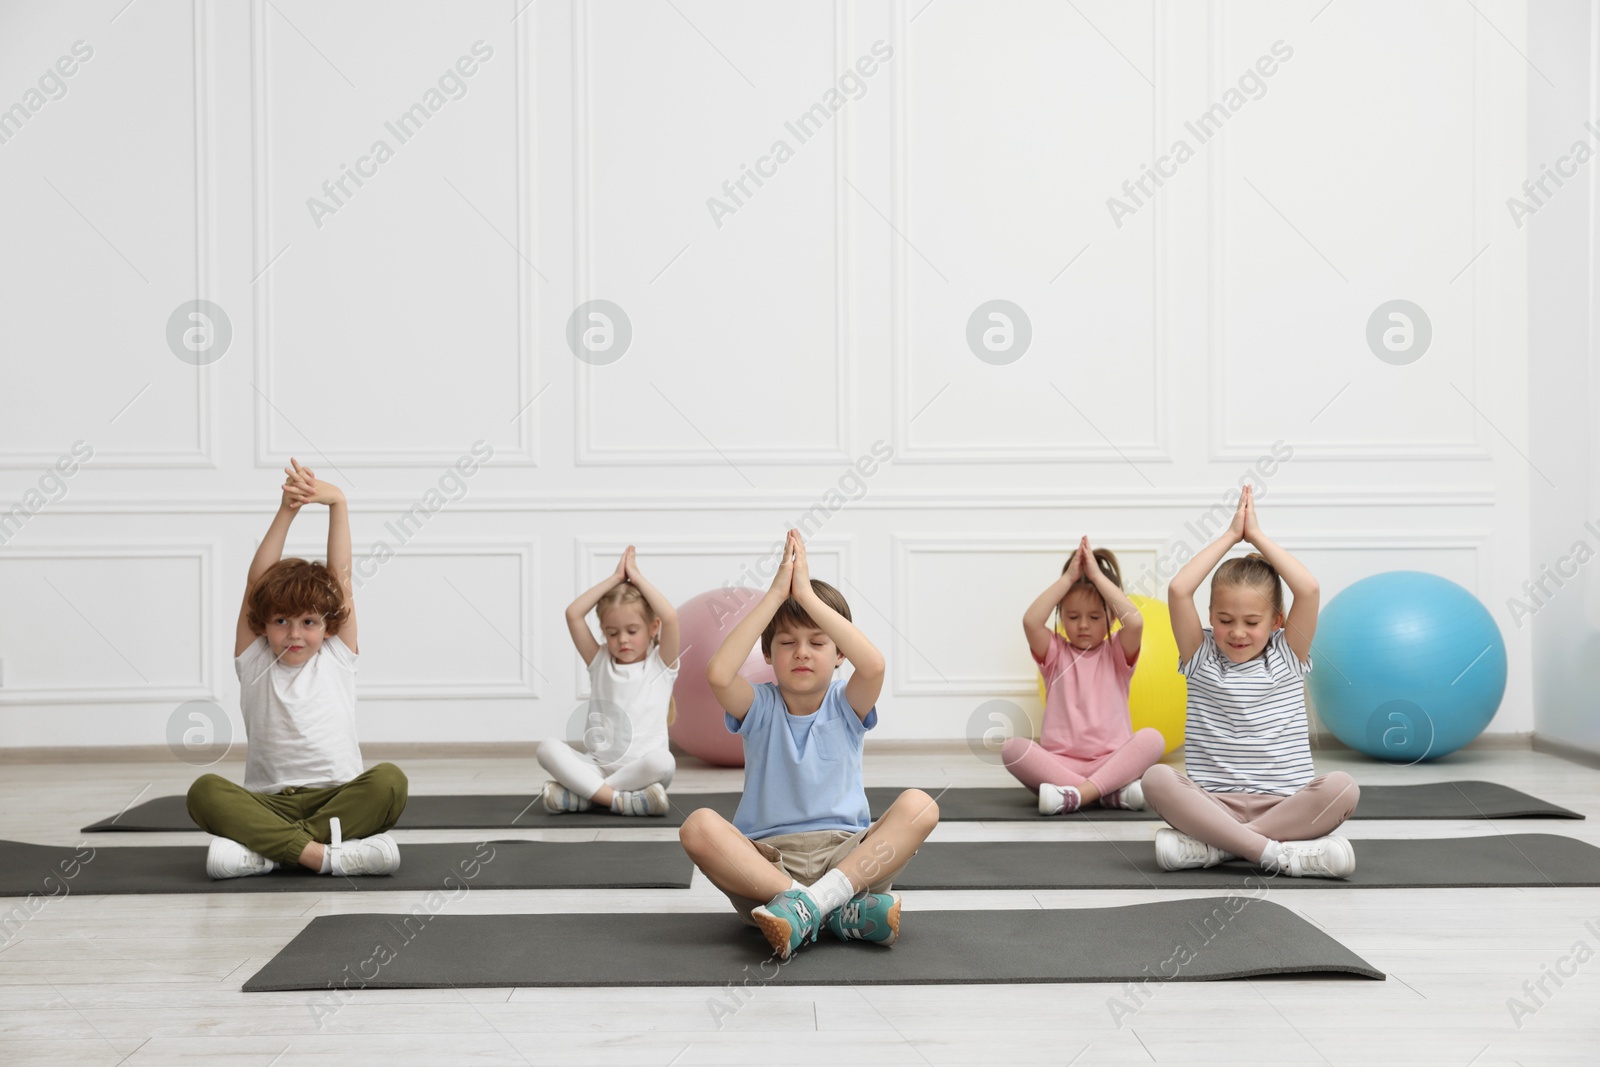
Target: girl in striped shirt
[(1250, 792)]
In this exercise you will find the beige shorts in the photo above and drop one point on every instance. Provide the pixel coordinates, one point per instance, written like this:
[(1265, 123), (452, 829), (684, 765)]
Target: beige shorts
[(807, 856)]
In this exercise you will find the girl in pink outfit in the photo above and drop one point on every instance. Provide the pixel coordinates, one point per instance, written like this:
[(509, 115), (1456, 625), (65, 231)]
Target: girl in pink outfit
[(1087, 750)]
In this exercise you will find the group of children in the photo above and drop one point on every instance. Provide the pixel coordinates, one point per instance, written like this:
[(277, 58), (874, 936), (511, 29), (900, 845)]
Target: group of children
[(803, 852)]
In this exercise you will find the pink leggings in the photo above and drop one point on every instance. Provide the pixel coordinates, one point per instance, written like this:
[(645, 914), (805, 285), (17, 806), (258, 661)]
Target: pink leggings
[(1243, 823), (1033, 766)]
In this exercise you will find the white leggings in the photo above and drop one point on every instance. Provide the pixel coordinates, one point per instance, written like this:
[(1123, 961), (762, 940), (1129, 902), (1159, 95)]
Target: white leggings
[(582, 773)]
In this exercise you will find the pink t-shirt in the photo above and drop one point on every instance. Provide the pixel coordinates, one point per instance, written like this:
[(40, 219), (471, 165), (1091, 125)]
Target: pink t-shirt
[(1085, 699)]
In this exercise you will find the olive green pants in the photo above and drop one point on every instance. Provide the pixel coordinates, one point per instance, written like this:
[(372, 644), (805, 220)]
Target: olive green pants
[(280, 825)]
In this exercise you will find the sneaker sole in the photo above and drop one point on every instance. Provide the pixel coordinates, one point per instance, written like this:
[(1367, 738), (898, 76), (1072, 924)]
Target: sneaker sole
[(777, 931), (893, 919)]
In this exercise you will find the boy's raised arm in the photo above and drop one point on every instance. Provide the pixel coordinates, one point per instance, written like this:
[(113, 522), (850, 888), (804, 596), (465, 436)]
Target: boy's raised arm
[(722, 671), (268, 552), (309, 490), (339, 562), (866, 683)]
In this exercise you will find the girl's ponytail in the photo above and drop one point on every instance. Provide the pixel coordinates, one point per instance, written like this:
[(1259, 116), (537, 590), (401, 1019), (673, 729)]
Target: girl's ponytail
[(1107, 561)]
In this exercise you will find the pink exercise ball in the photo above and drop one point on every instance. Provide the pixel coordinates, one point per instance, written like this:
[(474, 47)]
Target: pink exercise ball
[(704, 622)]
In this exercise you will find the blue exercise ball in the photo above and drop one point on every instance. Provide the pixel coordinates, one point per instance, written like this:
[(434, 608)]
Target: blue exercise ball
[(1406, 666)]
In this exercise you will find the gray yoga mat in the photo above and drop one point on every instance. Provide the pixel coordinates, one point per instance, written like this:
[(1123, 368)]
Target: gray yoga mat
[(1512, 860), (51, 870), (444, 811), (1232, 937), (1433, 800)]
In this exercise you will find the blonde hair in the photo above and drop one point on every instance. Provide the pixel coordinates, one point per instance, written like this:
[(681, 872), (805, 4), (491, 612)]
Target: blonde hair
[(1106, 560), (1252, 572), (623, 595)]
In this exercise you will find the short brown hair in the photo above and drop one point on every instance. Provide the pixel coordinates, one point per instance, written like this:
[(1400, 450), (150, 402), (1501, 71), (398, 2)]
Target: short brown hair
[(1254, 572), (791, 616), (293, 587)]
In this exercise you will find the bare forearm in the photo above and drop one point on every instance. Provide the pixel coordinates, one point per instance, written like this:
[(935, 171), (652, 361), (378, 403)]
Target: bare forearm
[(271, 548), (1188, 579), (1122, 607), (590, 597), (733, 651), (339, 541), (1293, 572), (658, 603), (1038, 613), (847, 636)]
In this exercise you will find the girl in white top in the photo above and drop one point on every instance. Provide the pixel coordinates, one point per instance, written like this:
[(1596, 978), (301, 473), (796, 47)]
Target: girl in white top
[(625, 764), (1250, 792)]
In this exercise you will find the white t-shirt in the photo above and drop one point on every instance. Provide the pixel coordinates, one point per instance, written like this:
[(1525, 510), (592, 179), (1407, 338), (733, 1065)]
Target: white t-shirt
[(1246, 728), (300, 721), (627, 713)]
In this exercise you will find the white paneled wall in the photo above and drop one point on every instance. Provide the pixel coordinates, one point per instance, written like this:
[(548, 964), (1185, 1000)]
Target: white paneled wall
[(1559, 599), (798, 208)]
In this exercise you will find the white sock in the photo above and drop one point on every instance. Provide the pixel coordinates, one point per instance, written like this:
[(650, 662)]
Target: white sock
[(327, 860), (831, 891), (1271, 854)]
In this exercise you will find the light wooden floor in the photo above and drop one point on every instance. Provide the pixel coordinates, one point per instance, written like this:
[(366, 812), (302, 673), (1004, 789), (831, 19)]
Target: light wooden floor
[(155, 980)]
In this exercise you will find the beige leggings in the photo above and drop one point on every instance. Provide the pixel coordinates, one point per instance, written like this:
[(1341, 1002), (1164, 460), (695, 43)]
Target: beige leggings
[(1243, 823)]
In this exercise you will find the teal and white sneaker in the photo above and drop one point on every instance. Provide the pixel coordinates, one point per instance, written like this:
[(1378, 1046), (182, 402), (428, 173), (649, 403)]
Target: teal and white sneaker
[(789, 920), (866, 916)]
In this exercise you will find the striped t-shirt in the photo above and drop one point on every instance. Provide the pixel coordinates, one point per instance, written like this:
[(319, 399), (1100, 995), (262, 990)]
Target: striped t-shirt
[(1246, 730)]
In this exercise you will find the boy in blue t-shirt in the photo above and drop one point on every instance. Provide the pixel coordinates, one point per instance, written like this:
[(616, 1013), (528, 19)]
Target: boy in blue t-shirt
[(802, 851)]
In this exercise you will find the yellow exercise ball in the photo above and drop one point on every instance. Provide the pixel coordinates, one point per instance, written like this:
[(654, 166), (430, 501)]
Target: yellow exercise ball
[(1158, 696)]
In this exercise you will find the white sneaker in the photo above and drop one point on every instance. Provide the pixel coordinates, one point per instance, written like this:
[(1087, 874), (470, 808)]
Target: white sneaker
[(1130, 796), (1322, 857), (651, 800), (378, 854), (229, 859), (557, 799), (1058, 799), (1177, 851)]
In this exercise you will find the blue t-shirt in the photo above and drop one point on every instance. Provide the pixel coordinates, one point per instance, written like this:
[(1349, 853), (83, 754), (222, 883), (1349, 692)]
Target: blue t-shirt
[(801, 772)]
